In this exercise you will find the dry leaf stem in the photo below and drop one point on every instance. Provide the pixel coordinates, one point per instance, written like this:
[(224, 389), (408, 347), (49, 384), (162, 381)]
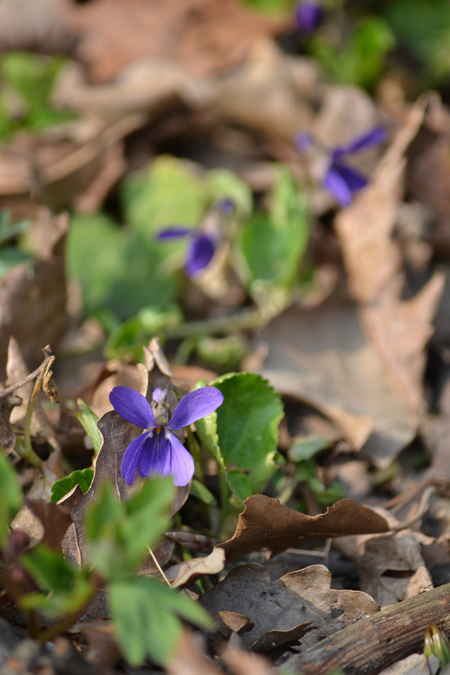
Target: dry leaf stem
[(374, 643)]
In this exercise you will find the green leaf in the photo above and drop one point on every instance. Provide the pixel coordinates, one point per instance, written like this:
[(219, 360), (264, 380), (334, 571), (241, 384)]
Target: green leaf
[(166, 194), (247, 424), (273, 245), (10, 496), (32, 76), (424, 26), (201, 492), (225, 353), (70, 587), (307, 447), (118, 269), (10, 256), (63, 486), (143, 611), (148, 322), (88, 420), (50, 569), (241, 485), (119, 534), (224, 184)]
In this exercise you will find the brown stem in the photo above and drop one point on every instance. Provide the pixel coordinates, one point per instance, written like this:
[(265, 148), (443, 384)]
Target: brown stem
[(375, 643)]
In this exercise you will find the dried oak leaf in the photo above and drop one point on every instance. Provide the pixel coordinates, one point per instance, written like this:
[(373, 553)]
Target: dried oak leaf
[(266, 523), (285, 610), (7, 434)]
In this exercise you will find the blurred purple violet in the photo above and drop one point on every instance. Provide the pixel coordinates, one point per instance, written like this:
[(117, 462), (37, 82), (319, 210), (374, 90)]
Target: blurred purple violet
[(157, 450), (307, 15), (340, 179), (202, 245)]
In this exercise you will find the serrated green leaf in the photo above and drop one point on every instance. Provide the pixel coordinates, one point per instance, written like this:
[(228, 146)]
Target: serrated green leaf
[(61, 487), (143, 611), (248, 419), (119, 533), (273, 245), (201, 492), (88, 420), (10, 496)]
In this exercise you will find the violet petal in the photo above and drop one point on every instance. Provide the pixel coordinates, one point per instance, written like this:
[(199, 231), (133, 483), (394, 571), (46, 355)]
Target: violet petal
[(303, 141), (174, 232), (354, 179), (369, 138), (194, 406), (199, 253), (181, 464), (307, 15), (155, 455), (335, 184), (131, 457), (157, 391), (132, 406)]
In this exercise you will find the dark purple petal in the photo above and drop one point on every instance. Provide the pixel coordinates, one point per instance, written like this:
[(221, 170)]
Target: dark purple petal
[(155, 455), (369, 138), (335, 184), (307, 16), (354, 179), (163, 454), (131, 457), (174, 232), (199, 253), (132, 406), (194, 406), (303, 141)]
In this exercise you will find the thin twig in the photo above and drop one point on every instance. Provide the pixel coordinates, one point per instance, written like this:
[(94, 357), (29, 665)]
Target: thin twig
[(31, 376), (161, 571)]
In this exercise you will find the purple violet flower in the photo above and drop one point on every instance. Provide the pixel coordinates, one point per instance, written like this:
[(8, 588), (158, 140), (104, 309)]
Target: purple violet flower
[(203, 241), (157, 449), (340, 179), (307, 14), (200, 250)]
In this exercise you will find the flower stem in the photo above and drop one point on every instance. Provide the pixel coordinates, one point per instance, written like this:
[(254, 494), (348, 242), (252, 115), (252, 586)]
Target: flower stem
[(247, 320)]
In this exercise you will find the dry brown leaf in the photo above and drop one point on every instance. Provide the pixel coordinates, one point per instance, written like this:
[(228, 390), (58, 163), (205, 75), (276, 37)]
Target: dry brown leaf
[(392, 569), (43, 522), (399, 329), (232, 622), (241, 95), (204, 35), (302, 598), (190, 659), (323, 357), (7, 434), (16, 371), (33, 298), (265, 523), (246, 663), (100, 635)]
